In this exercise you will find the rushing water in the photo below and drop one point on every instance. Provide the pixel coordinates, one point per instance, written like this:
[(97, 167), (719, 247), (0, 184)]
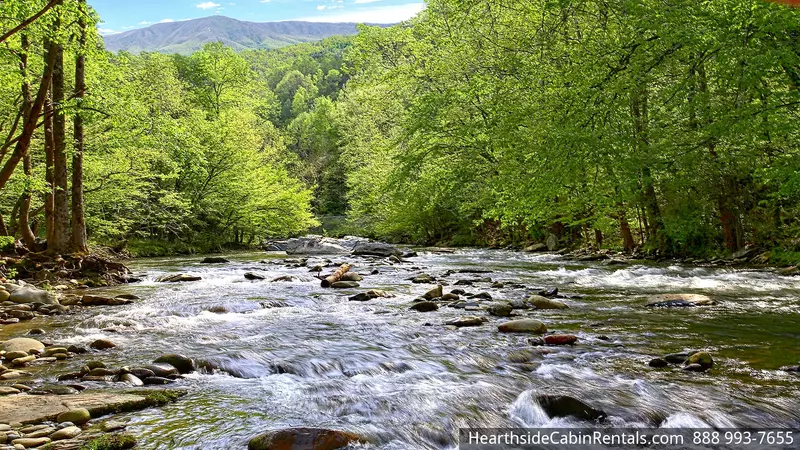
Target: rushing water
[(404, 380)]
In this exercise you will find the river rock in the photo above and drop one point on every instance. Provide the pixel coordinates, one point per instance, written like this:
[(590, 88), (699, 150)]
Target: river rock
[(10, 356), (560, 339), (42, 431), (162, 370), (540, 302), (703, 359), (523, 326), (566, 406), (131, 379), (422, 279), (29, 294), (51, 351), (313, 245), (24, 360), (22, 345), (139, 372), (500, 310), (214, 260), (184, 364), (679, 301), (345, 285), (535, 248), (31, 442), (305, 439), (694, 368), (468, 321), (788, 271), (658, 363), (14, 374), (8, 390), (376, 249), (424, 307), (66, 433), (157, 381), (552, 242), (98, 300), (128, 297), (178, 278), (102, 344), (351, 276), (677, 358), (4, 295), (78, 416), (433, 293), (254, 276)]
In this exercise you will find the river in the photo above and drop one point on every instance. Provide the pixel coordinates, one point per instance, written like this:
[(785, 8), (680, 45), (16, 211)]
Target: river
[(404, 380)]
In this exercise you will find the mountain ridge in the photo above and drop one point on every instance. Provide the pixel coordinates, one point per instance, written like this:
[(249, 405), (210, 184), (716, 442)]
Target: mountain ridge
[(188, 36)]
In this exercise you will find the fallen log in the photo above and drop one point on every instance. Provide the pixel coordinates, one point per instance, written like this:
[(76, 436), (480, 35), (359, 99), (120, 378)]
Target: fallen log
[(335, 276)]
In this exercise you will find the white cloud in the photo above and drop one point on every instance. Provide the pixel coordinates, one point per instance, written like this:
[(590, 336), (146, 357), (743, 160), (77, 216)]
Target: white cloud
[(376, 14), (144, 22), (208, 5), (166, 21), (106, 31)]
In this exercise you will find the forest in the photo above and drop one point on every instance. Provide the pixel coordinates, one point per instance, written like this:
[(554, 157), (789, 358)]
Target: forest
[(664, 128)]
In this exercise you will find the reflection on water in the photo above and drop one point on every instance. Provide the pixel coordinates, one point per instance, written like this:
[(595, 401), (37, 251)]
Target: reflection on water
[(406, 381)]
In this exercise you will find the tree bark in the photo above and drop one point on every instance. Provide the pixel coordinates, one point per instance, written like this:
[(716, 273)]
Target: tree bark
[(628, 244), (61, 231), (29, 20), (48, 151), (336, 276), (27, 104), (79, 244)]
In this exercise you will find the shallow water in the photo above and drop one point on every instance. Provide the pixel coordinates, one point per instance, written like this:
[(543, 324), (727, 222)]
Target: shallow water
[(404, 380)]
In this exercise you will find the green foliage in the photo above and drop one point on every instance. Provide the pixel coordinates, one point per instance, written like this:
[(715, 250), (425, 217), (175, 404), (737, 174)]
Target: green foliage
[(120, 441)]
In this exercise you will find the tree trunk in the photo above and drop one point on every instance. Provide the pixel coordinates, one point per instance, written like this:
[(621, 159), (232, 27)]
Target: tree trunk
[(27, 104), (31, 122), (79, 244), (628, 244), (598, 238), (639, 111), (48, 151), (336, 276), (61, 231)]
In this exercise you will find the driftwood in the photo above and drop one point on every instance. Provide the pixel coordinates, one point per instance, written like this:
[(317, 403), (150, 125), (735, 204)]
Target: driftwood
[(335, 276)]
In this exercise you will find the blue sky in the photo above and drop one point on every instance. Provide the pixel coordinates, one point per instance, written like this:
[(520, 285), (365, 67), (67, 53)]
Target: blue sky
[(123, 15)]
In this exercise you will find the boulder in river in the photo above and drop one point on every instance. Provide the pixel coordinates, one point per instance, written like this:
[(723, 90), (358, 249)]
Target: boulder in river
[(703, 359), (184, 364), (30, 294), (540, 302), (305, 439), (369, 295), (345, 284), (78, 416), (468, 321), (214, 260), (523, 326), (566, 406), (22, 345), (433, 293), (560, 339), (424, 307), (253, 276), (536, 248), (313, 245), (376, 249), (178, 278), (351, 276), (658, 363), (679, 301), (422, 279), (162, 370), (500, 309), (102, 344)]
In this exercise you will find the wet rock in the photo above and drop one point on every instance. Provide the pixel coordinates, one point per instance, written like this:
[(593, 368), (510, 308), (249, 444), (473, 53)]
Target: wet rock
[(35, 332), (523, 326), (540, 302), (458, 292), (313, 245), (214, 260), (178, 278), (22, 361), (162, 370), (549, 293), (481, 296), (184, 364), (526, 355), (29, 294), (500, 310), (131, 379), (422, 279), (433, 293), (791, 369), (8, 390), (566, 406), (468, 321), (139, 372), (463, 283), (31, 442), (560, 339), (66, 433), (376, 249), (450, 297), (304, 438), (535, 248), (218, 309), (102, 372), (351, 276), (155, 381), (788, 271), (102, 344), (128, 297), (76, 349), (694, 368), (703, 359), (50, 351), (677, 358), (424, 307), (10, 356), (21, 345), (254, 276), (679, 301), (77, 416), (658, 363), (345, 285)]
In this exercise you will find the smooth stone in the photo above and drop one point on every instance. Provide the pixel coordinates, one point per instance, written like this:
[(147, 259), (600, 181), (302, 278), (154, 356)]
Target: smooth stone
[(500, 310), (131, 379), (451, 297), (184, 364), (128, 297), (29, 294), (540, 302), (40, 433), (31, 442), (677, 358), (50, 351), (77, 416), (102, 344), (351, 276), (560, 339), (139, 372), (162, 370), (113, 425), (102, 372), (214, 260), (376, 249), (424, 306), (95, 365), (66, 433), (254, 277), (523, 326), (157, 381), (345, 285), (6, 390), (433, 293), (304, 439), (422, 279), (549, 293), (468, 321), (704, 359), (694, 368), (14, 374), (566, 406), (22, 345), (14, 355)]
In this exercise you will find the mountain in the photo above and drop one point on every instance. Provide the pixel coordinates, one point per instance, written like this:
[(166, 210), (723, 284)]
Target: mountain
[(189, 36)]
